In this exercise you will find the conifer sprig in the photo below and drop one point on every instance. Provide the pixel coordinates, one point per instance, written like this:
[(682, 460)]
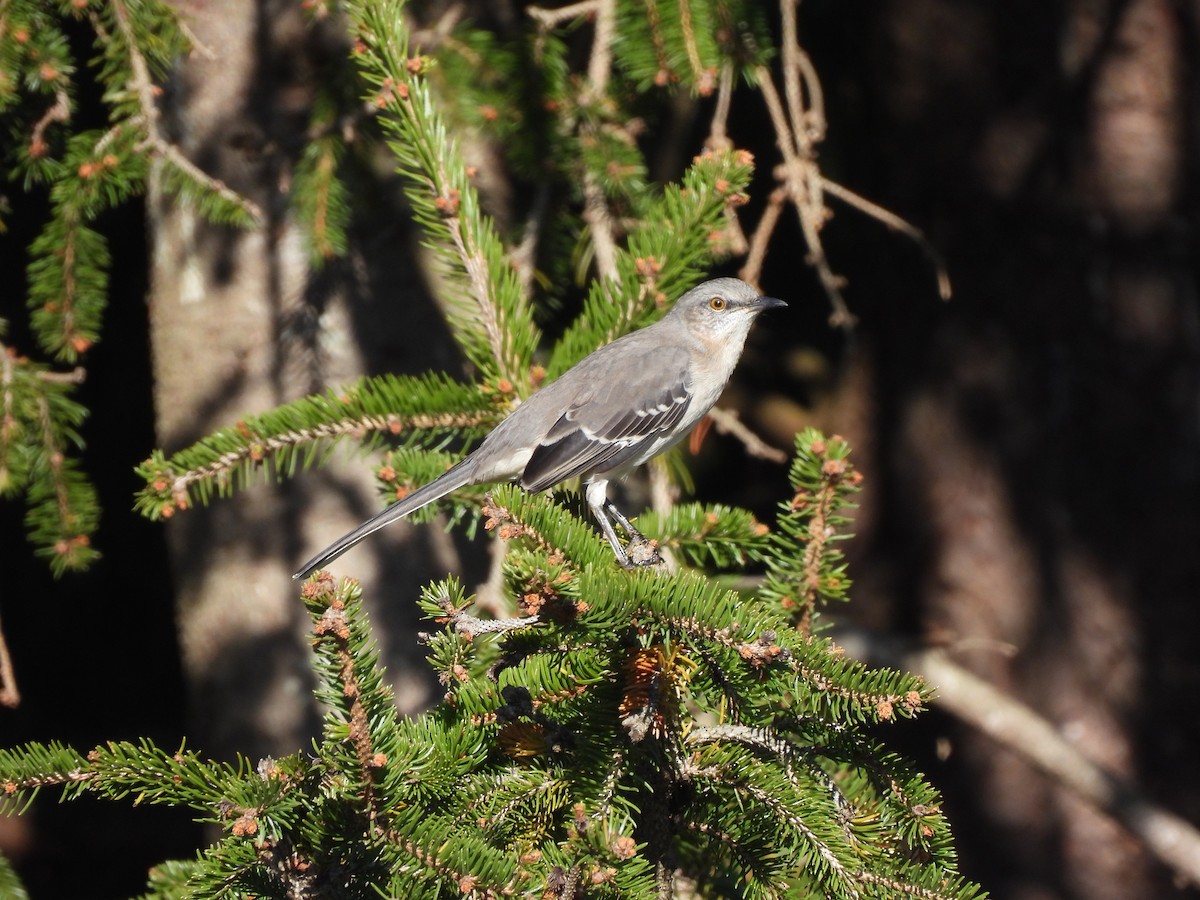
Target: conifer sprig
[(717, 535), (660, 48), (489, 313), (81, 173), (39, 435), (816, 517), (665, 255), (91, 171), (422, 411)]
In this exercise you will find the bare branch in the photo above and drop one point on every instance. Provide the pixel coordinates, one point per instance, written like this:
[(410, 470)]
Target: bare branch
[(726, 421), (894, 222), (550, 18), (1004, 719), (802, 179), (751, 270), (718, 136)]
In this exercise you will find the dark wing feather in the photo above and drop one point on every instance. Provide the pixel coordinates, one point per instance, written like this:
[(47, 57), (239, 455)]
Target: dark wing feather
[(575, 454), (611, 427)]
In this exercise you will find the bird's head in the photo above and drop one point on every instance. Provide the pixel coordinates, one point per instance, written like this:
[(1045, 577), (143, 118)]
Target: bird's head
[(722, 308)]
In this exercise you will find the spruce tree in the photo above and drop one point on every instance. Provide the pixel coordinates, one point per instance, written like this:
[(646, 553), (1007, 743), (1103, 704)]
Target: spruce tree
[(612, 734)]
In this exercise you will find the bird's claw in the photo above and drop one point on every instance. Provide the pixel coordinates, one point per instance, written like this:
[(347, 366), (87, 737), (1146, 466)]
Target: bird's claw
[(642, 553)]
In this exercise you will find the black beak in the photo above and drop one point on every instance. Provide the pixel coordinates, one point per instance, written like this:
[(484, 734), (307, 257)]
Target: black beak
[(765, 303)]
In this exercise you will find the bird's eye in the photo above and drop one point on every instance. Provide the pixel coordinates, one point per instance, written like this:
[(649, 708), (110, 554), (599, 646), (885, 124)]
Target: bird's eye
[(717, 303)]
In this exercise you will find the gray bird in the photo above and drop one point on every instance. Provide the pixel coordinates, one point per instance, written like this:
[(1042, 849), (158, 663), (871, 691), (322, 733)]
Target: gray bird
[(618, 407)]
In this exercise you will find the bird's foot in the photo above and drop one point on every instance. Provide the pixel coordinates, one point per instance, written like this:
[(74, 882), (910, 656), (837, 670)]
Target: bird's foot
[(642, 552)]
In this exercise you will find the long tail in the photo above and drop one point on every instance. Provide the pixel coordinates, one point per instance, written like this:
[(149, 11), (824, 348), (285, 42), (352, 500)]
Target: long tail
[(451, 480)]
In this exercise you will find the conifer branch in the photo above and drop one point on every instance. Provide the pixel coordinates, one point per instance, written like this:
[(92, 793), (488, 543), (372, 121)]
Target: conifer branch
[(333, 626), (1002, 718), (490, 315), (774, 806), (564, 731), (552, 18), (148, 118), (424, 411), (462, 622), (583, 726), (800, 125), (658, 262)]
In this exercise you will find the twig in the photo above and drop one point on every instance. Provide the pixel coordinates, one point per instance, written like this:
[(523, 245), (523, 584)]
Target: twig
[(441, 30), (663, 495), (727, 422), (1170, 838), (595, 208), (790, 46), (798, 130), (595, 213), (198, 45), (524, 255), (752, 269), (718, 135), (59, 111), (894, 222), (779, 120), (801, 177), (549, 18), (78, 375), (1173, 840), (600, 63), (472, 626), (10, 695)]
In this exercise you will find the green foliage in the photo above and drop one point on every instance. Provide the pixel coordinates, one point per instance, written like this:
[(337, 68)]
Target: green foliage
[(667, 251), (39, 422), (70, 175), (10, 885), (425, 411), (665, 256), (720, 536), (816, 517), (490, 314), (660, 45), (621, 721)]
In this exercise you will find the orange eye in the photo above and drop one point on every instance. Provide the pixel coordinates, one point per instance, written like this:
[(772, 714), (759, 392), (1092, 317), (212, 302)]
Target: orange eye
[(717, 303)]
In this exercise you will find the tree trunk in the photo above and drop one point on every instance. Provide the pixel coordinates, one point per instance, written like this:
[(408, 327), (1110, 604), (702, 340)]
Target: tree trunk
[(241, 323)]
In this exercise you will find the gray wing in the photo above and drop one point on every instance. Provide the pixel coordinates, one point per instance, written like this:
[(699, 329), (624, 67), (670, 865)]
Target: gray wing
[(614, 423)]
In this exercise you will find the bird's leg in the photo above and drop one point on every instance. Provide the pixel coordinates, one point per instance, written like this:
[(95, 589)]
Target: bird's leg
[(641, 550), (626, 525), (611, 534)]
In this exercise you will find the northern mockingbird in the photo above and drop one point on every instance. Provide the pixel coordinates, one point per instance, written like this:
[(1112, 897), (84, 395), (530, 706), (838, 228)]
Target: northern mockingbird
[(625, 403)]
